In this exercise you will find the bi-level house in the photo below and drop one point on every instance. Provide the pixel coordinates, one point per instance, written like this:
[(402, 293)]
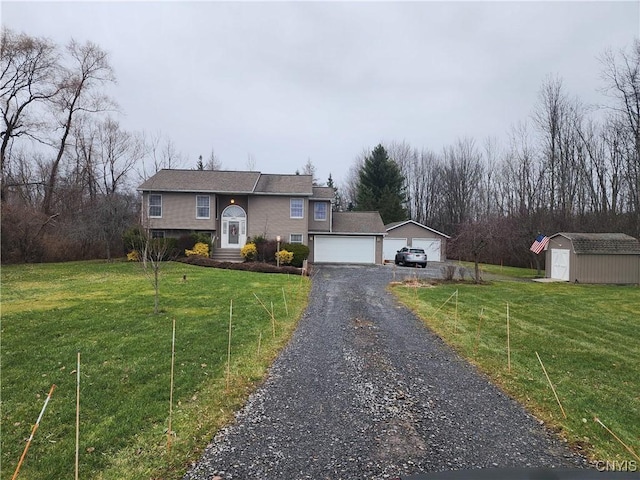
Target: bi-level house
[(232, 206)]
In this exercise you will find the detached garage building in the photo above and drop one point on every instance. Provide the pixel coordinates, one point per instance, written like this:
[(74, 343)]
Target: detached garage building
[(593, 258), (413, 234), (355, 237)]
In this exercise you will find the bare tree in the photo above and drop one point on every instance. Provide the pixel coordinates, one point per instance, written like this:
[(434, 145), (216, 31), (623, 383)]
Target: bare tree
[(213, 162), (28, 66), (89, 69)]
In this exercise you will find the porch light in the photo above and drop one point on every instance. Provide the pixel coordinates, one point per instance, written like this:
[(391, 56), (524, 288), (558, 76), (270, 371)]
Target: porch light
[(233, 201)]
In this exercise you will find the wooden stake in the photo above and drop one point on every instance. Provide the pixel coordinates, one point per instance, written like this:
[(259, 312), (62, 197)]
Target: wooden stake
[(551, 385), (628, 448), (173, 358), (33, 432), (229, 345), (508, 341), (284, 297), (78, 418)]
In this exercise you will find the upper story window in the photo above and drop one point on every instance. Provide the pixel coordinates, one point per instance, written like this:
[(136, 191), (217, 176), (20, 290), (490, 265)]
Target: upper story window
[(297, 208), (320, 211), (155, 206), (202, 206)]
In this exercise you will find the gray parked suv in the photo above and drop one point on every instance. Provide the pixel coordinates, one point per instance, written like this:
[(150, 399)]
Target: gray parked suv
[(411, 256)]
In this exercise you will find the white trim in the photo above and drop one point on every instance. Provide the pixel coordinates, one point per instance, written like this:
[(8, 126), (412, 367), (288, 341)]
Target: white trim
[(208, 197), (291, 207), (419, 225), (149, 205)]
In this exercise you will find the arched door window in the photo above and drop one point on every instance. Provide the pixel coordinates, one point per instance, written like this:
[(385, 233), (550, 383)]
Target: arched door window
[(234, 227)]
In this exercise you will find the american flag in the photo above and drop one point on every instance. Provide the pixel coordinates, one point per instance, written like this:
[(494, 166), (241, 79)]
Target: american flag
[(539, 244)]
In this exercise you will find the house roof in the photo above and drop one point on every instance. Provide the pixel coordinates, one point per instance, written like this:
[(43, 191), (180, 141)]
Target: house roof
[(224, 181), (602, 243), (289, 184), (323, 193), (391, 226), (214, 181), (358, 223)]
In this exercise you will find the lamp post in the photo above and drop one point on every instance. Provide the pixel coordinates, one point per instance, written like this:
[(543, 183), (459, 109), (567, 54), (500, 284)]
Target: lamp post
[(278, 251)]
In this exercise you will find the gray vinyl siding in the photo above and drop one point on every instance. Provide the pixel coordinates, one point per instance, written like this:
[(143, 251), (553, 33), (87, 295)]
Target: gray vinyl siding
[(270, 216), (179, 212), (319, 225)]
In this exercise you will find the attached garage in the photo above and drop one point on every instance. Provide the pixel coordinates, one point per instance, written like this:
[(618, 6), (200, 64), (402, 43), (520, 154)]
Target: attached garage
[(593, 258), (355, 237), (416, 235)]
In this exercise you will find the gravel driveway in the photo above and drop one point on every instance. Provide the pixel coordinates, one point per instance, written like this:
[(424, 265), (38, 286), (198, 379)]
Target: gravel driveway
[(364, 391)]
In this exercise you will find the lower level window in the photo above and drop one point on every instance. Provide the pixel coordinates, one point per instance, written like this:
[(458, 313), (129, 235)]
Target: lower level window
[(157, 233), (295, 238)]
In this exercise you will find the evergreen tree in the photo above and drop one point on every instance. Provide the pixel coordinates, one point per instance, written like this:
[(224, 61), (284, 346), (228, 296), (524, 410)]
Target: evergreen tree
[(337, 198), (381, 187)]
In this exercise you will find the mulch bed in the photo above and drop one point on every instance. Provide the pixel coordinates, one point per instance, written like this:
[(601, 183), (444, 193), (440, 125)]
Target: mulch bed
[(246, 266)]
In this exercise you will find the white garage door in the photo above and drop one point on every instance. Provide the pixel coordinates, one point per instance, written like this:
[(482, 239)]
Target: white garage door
[(336, 249), (431, 247), (560, 264), (390, 246)]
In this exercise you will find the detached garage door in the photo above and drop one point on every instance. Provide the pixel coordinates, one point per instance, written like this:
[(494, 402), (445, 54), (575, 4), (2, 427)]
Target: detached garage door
[(560, 264), (336, 249), (390, 246), (431, 247)]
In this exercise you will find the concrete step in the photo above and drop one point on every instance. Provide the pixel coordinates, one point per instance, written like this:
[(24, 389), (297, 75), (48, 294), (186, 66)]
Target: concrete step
[(227, 255)]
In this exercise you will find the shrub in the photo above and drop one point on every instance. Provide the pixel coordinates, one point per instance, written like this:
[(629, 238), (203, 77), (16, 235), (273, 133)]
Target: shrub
[(448, 272), (188, 242), (200, 248), (133, 256), (300, 253), (284, 257), (249, 252)]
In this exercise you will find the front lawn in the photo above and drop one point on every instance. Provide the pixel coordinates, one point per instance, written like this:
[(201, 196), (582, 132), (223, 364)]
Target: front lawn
[(587, 339), (105, 312)]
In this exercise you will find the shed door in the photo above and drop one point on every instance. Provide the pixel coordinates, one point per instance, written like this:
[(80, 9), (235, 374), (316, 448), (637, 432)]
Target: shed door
[(431, 247), (338, 249), (390, 247), (560, 264)]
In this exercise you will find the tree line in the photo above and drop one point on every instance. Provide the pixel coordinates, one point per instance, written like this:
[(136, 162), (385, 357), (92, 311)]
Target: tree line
[(68, 169), (568, 167)]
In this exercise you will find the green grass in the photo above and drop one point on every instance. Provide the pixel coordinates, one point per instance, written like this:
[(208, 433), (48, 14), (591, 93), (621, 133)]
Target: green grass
[(514, 272), (586, 336), (105, 312)]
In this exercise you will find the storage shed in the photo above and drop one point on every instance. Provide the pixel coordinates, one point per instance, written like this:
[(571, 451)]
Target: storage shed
[(593, 258), (413, 234)]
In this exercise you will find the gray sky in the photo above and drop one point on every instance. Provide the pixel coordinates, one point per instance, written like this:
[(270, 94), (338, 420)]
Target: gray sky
[(285, 82)]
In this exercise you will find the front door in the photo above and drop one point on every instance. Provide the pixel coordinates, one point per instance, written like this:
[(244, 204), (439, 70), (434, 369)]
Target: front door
[(234, 227)]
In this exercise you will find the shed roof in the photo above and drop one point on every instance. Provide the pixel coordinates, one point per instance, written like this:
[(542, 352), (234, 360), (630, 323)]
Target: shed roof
[(226, 181), (602, 243), (358, 223), (393, 225)]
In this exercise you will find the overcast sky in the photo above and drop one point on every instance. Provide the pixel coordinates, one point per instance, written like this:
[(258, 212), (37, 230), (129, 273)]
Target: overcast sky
[(291, 81)]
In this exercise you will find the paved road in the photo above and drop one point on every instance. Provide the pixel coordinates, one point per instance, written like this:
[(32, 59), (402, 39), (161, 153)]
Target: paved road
[(364, 391)]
